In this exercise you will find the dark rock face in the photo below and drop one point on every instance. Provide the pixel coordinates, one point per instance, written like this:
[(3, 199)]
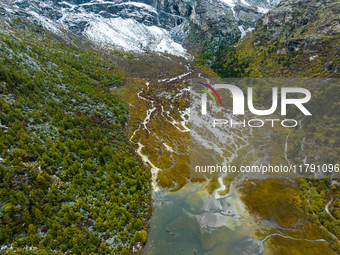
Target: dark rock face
[(304, 17), (159, 13), (225, 23), (302, 25), (124, 10), (305, 43), (77, 27)]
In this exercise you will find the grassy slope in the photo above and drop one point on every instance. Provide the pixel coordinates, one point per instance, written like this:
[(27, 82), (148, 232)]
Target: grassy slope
[(69, 182)]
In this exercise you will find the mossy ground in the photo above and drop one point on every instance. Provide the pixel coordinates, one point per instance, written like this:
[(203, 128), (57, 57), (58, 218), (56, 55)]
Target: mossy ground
[(273, 200), (286, 246), (280, 202)]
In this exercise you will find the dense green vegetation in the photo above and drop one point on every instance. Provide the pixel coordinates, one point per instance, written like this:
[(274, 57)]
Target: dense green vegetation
[(317, 194), (69, 183)]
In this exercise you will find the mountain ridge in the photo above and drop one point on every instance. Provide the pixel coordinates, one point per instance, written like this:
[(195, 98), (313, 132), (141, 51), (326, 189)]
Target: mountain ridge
[(143, 26)]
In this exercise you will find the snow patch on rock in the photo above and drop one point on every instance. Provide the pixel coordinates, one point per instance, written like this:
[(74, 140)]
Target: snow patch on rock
[(132, 36)]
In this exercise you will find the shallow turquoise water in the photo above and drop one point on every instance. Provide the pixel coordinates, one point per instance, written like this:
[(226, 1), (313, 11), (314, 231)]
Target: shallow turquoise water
[(190, 221)]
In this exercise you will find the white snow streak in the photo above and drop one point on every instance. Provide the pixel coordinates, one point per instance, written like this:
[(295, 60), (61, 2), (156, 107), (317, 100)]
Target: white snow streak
[(132, 36)]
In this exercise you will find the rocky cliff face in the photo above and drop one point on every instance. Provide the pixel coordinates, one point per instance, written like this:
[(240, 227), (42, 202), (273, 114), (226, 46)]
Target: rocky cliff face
[(225, 22), (302, 24), (144, 25), (305, 26)]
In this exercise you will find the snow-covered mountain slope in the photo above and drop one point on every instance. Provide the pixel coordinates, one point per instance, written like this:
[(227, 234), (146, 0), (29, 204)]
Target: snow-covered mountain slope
[(145, 25), (131, 35)]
